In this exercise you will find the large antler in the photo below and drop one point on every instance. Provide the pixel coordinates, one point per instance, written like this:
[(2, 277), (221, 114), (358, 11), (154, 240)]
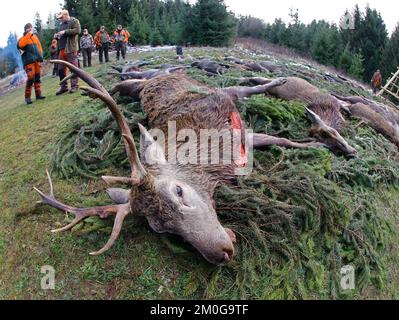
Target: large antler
[(138, 172), (120, 212), (97, 90)]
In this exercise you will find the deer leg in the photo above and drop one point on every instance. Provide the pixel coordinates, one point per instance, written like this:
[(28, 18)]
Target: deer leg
[(175, 69), (132, 75), (244, 92), (255, 80), (261, 141), (117, 68), (120, 211)]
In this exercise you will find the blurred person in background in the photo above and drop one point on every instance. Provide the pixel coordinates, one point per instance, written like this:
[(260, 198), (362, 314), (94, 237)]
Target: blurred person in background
[(120, 39), (68, 46), (101, 40), (86, 45), (54, 55), (31, 58)]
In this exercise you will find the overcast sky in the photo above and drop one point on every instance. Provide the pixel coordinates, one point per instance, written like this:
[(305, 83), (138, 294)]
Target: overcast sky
[(19, 12)]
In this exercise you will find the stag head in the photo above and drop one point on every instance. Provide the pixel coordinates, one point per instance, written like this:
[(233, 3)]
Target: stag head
[(170, 198), (329, 136)]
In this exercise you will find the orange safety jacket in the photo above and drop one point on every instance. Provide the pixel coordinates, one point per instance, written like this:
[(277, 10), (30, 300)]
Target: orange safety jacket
[(128, 35), (123, 35), (377, 80), (32, 48), (97, 38)]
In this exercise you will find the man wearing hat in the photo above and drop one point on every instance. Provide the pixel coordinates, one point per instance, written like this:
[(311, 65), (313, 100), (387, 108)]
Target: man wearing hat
[(68, 46), (120, 38), (31, 58), (101, 40)]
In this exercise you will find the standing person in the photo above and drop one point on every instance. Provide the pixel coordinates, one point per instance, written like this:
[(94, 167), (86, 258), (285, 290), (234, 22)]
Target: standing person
[(376, 81), (86, 43), (101, 39), (54, 55), (68, 46), (31, 58), (120, 38)]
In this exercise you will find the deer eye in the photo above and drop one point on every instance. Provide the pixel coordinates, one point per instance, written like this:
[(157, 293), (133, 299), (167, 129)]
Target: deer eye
[(179, 191)]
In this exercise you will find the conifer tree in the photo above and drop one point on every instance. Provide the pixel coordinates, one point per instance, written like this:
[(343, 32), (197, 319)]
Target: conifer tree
[(390, 56), (215, 26)]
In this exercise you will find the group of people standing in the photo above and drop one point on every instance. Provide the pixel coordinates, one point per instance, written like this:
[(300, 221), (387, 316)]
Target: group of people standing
[(102, 41), (65, 46)]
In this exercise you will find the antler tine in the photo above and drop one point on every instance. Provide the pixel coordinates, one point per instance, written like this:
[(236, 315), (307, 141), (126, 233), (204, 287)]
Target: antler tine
[(119, 180), (50, 183), (69, 76), (92, 82), (80, 213), (98, 90), (123, 211), (138, 170)]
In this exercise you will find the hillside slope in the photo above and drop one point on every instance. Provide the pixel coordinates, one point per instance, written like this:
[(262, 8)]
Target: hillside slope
[(300, 217)]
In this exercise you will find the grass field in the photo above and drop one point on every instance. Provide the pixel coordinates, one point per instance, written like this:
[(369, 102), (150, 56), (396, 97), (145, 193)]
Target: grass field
[(141, 265)]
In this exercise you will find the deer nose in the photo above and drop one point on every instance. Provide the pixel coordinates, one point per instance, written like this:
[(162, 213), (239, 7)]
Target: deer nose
[(228, 254)]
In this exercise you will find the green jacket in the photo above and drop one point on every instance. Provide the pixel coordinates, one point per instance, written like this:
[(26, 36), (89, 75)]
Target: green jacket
[(72, 33)]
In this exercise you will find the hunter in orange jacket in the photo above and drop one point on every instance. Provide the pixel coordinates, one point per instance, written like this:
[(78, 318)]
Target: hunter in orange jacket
[(31, 58), (101, 40), (100, 36), (376, 81), (120, 38)]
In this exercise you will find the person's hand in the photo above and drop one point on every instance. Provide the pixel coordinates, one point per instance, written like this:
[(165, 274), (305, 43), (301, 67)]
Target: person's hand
[(61, 33)]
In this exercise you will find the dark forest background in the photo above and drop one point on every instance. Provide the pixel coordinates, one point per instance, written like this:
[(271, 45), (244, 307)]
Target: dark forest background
[(358, 51)]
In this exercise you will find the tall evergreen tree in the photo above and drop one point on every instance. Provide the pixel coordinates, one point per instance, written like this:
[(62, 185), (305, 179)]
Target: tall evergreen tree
[(37, 24), (390, 56), (10, 55), (103, 16), (373, 41), (248, 26), (138, 25), (215, 26), (189, 30), (85, 15), (276, 31)]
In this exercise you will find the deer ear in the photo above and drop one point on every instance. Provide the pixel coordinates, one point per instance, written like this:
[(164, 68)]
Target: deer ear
[(314, 118), (151, 151)]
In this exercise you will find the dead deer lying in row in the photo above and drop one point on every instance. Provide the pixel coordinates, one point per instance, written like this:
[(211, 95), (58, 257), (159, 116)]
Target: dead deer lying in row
[(259, 66), (382, 118), (137, 73), (210, 67), (324, 111), (174, 198)]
